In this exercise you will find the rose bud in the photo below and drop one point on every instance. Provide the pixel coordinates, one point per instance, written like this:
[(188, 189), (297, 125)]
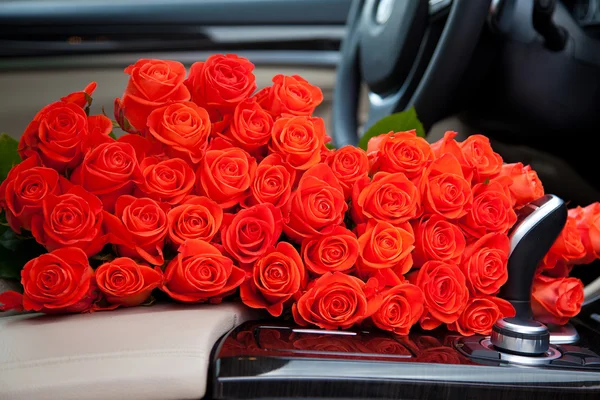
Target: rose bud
[(336, 250), (272, 183), (299, 140), (152, 84), (277, 276), (481, 314), (250, 128), (81, 98), (485, 264), (555, 300), (382, 245), (588, 225), (24, 189), (126, 283), (448, 144), (249, 234), (491, 212), (479, 155), (526, 186), (183, 129), (335, 300), (291, 95), (445, 291), (225, 174), (568, 246), (402, 307), (200, 273), (196, 218), (349, 164), (444, 189), (168, 181), (57, 282), (220, 83), (317, 203), (108, 171), (437, 239), (400, 152), (388, 198)]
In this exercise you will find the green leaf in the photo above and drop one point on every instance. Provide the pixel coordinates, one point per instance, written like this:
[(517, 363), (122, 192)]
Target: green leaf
[(487, 181), (112, 135), (9, 157), (330, 146), (399, 122), (15, 252)]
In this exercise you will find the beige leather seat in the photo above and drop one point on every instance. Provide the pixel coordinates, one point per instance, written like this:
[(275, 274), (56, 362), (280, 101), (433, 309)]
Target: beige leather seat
[(160, 352)]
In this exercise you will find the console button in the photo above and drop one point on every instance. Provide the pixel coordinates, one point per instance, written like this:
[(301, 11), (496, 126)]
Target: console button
[(568, 361), (576, 351), (592, 362)]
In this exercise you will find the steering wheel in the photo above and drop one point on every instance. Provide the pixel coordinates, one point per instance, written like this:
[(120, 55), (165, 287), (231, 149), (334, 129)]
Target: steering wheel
[(397, 48)]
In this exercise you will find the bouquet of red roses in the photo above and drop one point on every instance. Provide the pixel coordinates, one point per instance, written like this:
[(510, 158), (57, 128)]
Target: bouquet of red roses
[(216, 190)]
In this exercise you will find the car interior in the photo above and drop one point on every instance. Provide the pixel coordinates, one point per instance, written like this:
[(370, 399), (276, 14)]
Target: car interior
[(526, 73)]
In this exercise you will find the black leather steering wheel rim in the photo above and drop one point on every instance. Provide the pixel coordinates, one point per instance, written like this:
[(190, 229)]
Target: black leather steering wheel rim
[(430, 95)]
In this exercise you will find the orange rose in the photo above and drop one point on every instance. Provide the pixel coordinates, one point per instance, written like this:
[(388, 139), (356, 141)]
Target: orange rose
[(485, 264), (383, 245), (444, 189), (349, 164), (526, 186), (335, 300), (437, 239), (554, 266), (169, 181), (152, 84), (200, 273), (299, 140), (445, 290), (317, 203), (555, 300), (220, 83), (250, 128), (272, 184), (334, 251), (491, 212), (402, 307), (126, 283), (196, 218), (449, 145), (569, 246), (276, 277), (479, 155), (588, 224), (225, 174), (389, 198), (290, 95), (249, 234), (481, 314), (183, 128), (400, 152)]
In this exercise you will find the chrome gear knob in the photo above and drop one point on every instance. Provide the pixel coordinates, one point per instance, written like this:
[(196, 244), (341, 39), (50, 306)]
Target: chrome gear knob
[(520, 336)]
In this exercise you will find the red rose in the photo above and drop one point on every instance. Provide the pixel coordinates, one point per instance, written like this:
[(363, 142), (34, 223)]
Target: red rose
[(485, 264), (143, 146), (568, 245), (109, 171), (335, 300), (491, 212), (250, 128), (225, 174), (60, 281), (72, 219), (290, 95), (402, 307), (317, 203), (220, 83), (299, 140), (200, 273), (196, 218), (449, 145), (481, 314), (249, 234), (400, 152), (444, 189), (555, 300), (479, 155), (152, 84), (383, 245), (554, 266), (388, 198), (439, 355), (183, 128), (24, 189), (169, 181), (276, 277), (388, 346), (335, 251), (526, 186), (588, 224), (141, 226), (81, 98), (445, 292), (437, 239), (272, 183), (126, 283), (349, 164)]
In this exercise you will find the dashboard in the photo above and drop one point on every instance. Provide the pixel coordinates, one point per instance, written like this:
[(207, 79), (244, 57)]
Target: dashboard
[(585, 12)]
